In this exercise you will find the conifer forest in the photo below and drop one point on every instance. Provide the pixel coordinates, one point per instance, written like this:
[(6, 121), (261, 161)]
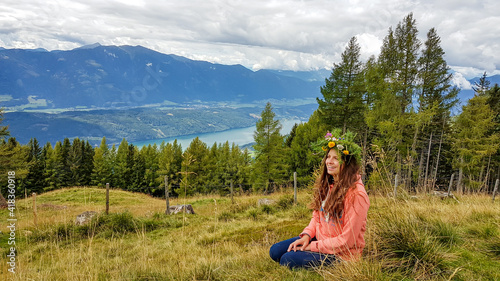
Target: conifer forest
[(398, 104)]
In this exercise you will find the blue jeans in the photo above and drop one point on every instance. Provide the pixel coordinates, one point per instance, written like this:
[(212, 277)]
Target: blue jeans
[(298, 259)]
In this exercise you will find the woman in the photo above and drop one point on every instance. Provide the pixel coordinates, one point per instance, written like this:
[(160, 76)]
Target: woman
[(340, 207)]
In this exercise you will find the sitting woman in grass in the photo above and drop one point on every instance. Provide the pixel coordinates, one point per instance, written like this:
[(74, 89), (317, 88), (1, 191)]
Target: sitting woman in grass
[(340, 206)]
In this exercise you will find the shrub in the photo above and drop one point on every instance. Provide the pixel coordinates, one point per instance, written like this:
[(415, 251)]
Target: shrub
[(285, 202)]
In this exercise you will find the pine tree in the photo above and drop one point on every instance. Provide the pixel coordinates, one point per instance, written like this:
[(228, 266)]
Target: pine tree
[(87, 164), (35, 181), (392, 117), (12, 158), (472, 143), (494, 103), (435, 79), (138, 169), (225, 167), (151, 154), (493, 100), (193, 167), (169, 164), (244, 172), (289, 138), (342, 103), (102, 165), (212, 177), (123, 165), (54, 164), (482, 86), (75, 161), (408, 46), (269, 156), (301, 158), (436, 99), (63, 163)]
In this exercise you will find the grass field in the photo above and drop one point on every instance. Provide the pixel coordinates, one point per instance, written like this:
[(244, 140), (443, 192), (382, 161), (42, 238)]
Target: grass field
[(422, 238)]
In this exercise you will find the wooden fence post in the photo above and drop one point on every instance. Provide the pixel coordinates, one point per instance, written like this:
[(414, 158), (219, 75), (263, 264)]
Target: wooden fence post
[(107, 198), (34, 209), (295, 188), (495, 190), (166, 196), (451, 184), (396, 186), (232, 198)]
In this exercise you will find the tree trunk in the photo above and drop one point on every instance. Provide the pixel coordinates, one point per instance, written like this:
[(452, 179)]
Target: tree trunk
[(485, 181), (420, 168), (363, 160), (398, 160), (427, 164), (413, 152), (437, 160), (460, 175)]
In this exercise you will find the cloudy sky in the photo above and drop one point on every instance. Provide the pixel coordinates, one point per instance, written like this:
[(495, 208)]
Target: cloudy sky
[(279, 34)]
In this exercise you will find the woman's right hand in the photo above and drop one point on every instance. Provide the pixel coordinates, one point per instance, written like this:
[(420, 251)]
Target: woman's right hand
[(300, 244)]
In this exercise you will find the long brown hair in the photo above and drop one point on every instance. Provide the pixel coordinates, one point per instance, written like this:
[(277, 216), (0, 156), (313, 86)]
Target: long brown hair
[(348, 175)]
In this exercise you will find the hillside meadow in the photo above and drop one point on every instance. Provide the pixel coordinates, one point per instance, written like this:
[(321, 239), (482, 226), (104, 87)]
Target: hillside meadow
[(408, 238)]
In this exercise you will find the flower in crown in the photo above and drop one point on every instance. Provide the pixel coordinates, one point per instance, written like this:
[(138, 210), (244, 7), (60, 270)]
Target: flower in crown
[(344, 144)]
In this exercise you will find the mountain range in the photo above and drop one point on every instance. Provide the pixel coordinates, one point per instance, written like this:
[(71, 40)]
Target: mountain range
[(99, 76), (136, 93)]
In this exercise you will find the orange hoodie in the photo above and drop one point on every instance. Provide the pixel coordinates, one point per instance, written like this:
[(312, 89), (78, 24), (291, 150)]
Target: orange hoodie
[(346, 238)]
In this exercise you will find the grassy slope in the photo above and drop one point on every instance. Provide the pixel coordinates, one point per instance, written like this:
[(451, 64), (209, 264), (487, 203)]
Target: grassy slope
[(424, 238)]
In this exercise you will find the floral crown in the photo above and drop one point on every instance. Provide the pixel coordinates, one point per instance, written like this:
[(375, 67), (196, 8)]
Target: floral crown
[(344, 144)]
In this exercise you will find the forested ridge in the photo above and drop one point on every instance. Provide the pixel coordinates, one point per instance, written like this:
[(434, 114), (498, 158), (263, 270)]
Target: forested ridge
[(398, 105)]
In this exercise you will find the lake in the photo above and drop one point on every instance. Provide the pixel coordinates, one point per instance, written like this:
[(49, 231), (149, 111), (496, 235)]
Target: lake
[(239, 136)]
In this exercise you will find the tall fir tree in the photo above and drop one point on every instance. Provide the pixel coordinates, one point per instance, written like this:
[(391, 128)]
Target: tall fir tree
[(138, 180), (54, 164), (87, 163), (408, 46), (393, 117), (102, 171), (193, 168), (212, 176), (63, 163), (75, 162), (493, 100), (436, 98), (35, 181), (151, 154), (123, 165), (342, 103), (12, 158), (169, 164), (269, 162)]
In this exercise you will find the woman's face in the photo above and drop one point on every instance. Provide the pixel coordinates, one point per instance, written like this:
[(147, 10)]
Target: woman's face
[(332, 163)]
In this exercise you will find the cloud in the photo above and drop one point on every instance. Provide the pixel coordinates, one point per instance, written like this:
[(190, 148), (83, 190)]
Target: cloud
[(461, 82), (285, 34)]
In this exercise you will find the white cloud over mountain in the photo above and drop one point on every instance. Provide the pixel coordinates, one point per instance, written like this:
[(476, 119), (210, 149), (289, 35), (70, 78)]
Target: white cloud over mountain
[(286, 34)]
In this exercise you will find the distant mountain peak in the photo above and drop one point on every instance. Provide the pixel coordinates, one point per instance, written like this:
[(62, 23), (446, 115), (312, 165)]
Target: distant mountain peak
[(91, 46)]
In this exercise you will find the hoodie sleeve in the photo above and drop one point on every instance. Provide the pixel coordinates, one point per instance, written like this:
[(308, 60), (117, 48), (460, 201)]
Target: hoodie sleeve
[(351, 237), (311, 228)]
